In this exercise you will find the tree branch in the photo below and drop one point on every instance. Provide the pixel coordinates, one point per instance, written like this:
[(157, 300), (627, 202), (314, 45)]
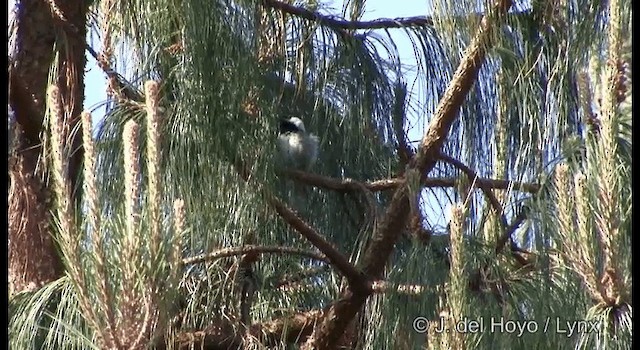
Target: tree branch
[(405, 151), (510, 230), (291, 329), (473, 177), (341, 24), (356, 279), (378, 287), (252, 249), (122, 88), (346, 185), (341, 185), (339, 315)]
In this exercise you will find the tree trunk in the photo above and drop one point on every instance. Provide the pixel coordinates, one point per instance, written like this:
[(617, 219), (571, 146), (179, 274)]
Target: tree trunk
[(33, 257)]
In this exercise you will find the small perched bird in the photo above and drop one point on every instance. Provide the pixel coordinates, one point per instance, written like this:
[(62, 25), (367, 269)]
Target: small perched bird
[(298, 149)]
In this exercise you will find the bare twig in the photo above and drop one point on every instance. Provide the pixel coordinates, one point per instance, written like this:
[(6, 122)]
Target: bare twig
[(509, 229), (405, 151), (473, 177), (227, 252), (247, 286)]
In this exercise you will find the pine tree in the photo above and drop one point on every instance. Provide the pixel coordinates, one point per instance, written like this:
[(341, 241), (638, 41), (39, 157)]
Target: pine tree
[(188, 236)]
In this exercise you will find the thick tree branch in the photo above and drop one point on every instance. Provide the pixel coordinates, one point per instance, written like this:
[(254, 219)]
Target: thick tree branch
[(446, 113), (41, 27), (356, 279), (252, 249), (339, 315), (24, 109), (292, 329)]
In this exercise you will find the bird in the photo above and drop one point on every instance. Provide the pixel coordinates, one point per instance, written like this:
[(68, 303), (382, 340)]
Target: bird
[(298, 149)]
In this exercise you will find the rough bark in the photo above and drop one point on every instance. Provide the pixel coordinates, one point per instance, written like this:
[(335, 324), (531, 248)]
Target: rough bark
[(33, 257), (327, 334)]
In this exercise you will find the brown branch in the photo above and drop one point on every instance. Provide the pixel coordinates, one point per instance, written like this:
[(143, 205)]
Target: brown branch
[(341, 185), (340, 313), (378, 287), (33, 257), (123, 89), (447, 111), (291, 329), (247, 286), (341, 24), (252, 249), (510, 230), (125, 92), (356, 279), (214, 337), (473, 177), (346, 185)]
